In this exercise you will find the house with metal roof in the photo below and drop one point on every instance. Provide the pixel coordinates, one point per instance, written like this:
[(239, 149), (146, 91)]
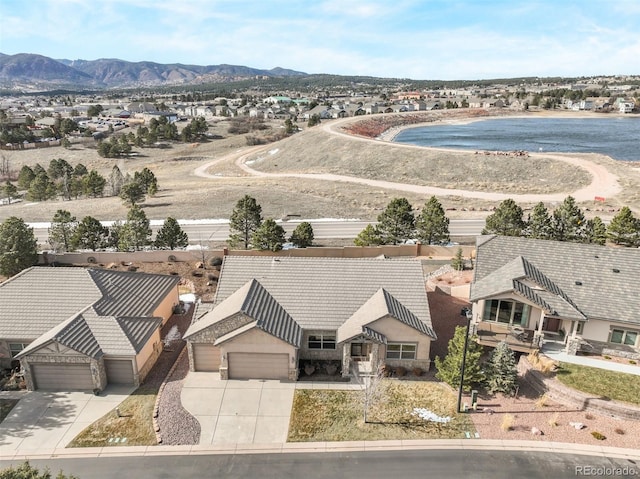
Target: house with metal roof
[(538, 294), (272, 313), (77, 328)]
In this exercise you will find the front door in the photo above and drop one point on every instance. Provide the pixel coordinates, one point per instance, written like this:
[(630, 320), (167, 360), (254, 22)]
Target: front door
[(360, 351), (551, 325)]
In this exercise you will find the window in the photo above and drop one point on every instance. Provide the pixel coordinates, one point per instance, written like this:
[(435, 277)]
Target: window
[(322, 341), (623, 336), (401, 351), (508, 312), (15, 348)]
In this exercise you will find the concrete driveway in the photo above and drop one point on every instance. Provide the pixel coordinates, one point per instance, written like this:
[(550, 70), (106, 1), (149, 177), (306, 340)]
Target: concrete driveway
[(238, 411), (48, 420)]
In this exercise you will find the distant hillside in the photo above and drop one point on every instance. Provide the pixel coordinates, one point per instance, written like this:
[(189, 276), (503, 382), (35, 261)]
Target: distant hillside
[(29, 70)]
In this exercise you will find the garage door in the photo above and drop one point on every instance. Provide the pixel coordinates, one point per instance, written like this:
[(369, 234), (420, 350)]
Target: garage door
[(206, 357), (119, 371), (61, 376), (258, 366)]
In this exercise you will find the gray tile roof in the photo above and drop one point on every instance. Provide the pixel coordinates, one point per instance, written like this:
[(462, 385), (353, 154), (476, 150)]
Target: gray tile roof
[(83, 309), (374, 335), (575, 279), (322, 293)]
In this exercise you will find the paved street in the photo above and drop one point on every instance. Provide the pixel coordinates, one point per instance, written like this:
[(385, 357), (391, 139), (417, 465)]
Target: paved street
[(402, 464), (214, 230)]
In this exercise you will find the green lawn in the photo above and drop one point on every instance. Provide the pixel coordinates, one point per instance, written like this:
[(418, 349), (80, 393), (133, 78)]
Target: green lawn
[(6, 405), (600, 382), (335, 415)]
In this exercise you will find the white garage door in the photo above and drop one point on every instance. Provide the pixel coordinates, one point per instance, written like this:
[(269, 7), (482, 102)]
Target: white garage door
[(206, 357), (119, 371), (61, 376), (258, 366)]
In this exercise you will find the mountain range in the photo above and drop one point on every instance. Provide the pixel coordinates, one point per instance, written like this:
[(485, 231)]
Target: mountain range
[(32, 71)]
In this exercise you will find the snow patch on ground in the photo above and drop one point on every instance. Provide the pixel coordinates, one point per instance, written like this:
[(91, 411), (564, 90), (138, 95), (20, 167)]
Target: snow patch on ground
[(429, 416)]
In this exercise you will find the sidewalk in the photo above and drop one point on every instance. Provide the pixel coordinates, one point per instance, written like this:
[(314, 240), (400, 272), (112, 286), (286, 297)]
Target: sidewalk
[(559, 355)]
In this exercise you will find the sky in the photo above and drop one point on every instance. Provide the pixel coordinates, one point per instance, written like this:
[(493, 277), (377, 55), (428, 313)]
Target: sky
[(417, 39)]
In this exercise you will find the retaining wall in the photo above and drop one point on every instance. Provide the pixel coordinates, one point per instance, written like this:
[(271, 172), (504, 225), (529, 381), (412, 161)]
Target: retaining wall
[(578, 399)]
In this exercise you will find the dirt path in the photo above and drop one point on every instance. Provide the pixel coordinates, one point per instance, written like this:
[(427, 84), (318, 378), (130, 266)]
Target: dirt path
[(604, 183)]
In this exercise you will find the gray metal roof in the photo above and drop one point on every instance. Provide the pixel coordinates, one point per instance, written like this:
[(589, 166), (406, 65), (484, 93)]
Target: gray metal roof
[(130, 294), (322, 293), (253, 300), (90, 311), (270, 315), (581, 280)]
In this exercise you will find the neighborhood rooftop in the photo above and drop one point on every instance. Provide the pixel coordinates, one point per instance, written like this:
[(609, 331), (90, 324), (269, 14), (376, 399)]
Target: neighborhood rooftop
[(574, 280), (41, 298)]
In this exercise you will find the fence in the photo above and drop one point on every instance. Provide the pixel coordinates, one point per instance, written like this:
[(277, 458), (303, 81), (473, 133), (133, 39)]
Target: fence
[(156, 256)]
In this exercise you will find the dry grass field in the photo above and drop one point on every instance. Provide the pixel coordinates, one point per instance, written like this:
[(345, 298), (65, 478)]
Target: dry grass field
[(183, 194)]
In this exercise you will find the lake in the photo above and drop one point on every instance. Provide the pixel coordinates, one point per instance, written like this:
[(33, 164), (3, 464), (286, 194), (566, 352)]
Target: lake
[(617, 137)]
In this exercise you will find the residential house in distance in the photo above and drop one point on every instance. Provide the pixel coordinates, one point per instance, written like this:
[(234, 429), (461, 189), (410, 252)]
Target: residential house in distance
[(77, 328), (538, 294), (272, 313)]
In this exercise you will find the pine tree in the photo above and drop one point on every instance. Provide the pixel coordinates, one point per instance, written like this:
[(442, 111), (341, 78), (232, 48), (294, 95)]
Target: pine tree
[(624, 228), (432, 226), (502, 372), (132, 193), (595, 231), (245, 220), (450, 367), (568, 222), (18, 246), (25, 177), (369, 236), (135, 233), (302, 236), (90, 234), (506, 220), (9, 191), (62, 230), (93, 184), (147, 181), (171, 235), (396, 223), (41, 188), (457, 262), (539, 224), (269, 236)]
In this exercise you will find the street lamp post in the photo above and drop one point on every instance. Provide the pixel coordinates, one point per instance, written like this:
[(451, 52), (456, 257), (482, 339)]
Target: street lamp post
[(468, 314)]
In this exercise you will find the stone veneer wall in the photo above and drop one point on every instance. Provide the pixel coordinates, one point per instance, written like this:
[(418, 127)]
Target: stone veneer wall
[(578, 399)]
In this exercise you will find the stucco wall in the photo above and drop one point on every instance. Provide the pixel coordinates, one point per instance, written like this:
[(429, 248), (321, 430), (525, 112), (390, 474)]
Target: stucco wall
[(165, 308), (397, 332), (107, 257), (534, 315), (147, 357)]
